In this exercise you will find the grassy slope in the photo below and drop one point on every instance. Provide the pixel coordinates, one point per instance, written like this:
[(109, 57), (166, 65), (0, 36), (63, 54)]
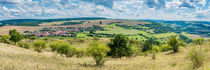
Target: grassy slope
[(15, 58)]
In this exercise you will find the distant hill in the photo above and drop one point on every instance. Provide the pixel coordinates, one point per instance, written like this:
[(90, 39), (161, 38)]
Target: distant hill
[(191, 27), (36, 22)]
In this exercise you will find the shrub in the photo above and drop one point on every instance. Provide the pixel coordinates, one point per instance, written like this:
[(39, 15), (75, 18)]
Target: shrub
[(120, 46), (95, 38), (133, 51), (98, 52), (33, 38), (198, 41), (155, 49), (81, 40), (174, 43), (147, 46), (80, 53), (46, 39), (39, 45), (165, 47), (5, 39), (23, 45), (197, 58), (66, 48), (54, 45)]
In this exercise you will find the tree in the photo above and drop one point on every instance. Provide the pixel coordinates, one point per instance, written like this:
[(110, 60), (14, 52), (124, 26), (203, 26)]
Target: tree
[(15, 36), (39, 45), (100, 22), (13, 31), (120, 46), (174, 43), (147, 46), (98, 52)]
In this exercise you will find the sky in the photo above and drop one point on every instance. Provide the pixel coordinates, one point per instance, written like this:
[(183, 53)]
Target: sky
[(188, 10)]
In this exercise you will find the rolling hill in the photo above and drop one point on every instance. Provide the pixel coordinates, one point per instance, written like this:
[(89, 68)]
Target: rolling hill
[(103, 27)]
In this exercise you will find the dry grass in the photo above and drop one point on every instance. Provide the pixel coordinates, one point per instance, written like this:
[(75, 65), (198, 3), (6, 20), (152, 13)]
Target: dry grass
[(15, 58), (5, 29)]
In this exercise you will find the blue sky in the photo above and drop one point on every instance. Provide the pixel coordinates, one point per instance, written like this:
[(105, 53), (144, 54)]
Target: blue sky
[(189, 10)]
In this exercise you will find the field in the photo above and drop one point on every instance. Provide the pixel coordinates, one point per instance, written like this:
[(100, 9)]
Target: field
[(5, 29), (13, 57), (118, 30), (66, 34)]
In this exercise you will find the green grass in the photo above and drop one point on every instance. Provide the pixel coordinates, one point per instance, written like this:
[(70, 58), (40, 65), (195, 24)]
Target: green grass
[(164, 35), (138, 37), (112, 29), (82, 35)]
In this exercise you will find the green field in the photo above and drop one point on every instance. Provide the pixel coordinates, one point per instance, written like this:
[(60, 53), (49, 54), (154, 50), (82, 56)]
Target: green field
[(112, 29)]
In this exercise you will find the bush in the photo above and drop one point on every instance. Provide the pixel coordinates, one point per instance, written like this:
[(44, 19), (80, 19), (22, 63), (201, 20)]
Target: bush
[(174, 43), (95, 38), (165, 47), (23, 45), (120, 46), (197, 58), (156, 49), (98, 52), (5, 39), (81, 40), (46, 39), (80, 53), (33, 38), (54, 45), (198, 41), (66, 48), (147, 46), (39, 45)]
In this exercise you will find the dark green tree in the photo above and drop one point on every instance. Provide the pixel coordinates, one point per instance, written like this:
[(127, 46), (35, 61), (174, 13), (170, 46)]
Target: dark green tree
[(120, 46), (100, 22), (15, 36), (174, 43), (147, 46)]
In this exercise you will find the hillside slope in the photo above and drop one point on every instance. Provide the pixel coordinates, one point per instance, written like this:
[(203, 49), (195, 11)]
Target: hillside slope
[(15, 58)]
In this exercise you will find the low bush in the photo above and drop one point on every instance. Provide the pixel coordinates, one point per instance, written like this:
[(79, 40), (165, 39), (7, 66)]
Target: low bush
[(165, 47), (98, 52), (66, 48), (23, 45), (155, 50), (196, 57), (5, 39), (33, 38), (39, 45), (80, 53), (54, 45), (198, 41)]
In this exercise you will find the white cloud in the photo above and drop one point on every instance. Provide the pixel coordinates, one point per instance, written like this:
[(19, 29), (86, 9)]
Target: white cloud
[(122, 9)]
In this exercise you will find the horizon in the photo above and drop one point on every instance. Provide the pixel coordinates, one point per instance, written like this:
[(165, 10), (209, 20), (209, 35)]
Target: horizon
[(110, 19), (179, 10)]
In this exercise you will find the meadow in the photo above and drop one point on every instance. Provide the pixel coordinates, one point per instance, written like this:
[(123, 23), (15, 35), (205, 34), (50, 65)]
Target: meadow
[(13, 57)]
